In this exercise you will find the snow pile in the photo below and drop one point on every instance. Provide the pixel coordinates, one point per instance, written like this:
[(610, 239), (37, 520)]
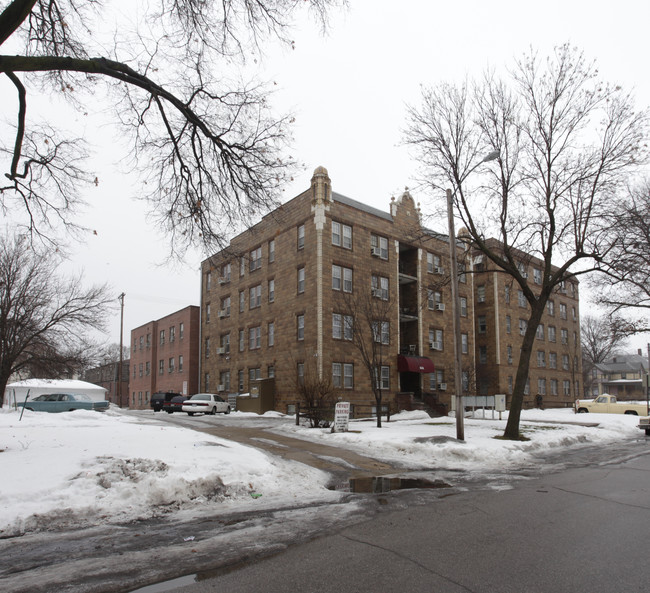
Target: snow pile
[(416, 441), (86, 468)]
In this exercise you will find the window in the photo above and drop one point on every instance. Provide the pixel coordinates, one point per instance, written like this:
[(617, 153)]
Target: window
[(574, 314), (253, 375), (172, 333), (141, 342), (207, 313), (341, 278), (541, 386), (551, 333), (562, 311), (271, 333), (550, 308), (242, 266), (207, 381), (301, 280), (566, 387), (537, 276), (509, 354), (554, 386), (565, 362), (242, 340), (508, 324), (207, 347), (147, 368), (255, 262), (433, 264), (140, 369), (255, 297), (521, 299), (379, 246), (271, 251), (343, 375), (240, 380), (539, 334), (301, 236), (480, 293), (171, 364), (149, 340), (379, 287), (224, 379), (300, 319), (162, 337), (225, 307), (271, 291), (482, 354), (541, 358), (463, 306), (180, 363), (384, 377), (242, 301), (225, 343), (225, 274), (464, 343), (434, 298), (564, 333), (300, 373), (337, 326), (181, 330), (270, 371), (161, 367), (208, 281), (341, 235), (506, 294), (436, 339), (482, 324), (381, 332), (254, 338), (523, 326), (552, 360)]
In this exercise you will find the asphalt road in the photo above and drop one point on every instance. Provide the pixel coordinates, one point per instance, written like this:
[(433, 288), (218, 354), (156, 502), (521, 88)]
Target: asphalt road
[(582, 529)]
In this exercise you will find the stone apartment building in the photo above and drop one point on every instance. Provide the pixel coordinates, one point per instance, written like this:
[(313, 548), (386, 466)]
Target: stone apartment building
[(279, 302), (501, 319), (165, 356)]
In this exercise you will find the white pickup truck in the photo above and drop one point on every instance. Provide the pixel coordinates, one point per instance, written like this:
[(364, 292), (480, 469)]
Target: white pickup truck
[(607, 404)]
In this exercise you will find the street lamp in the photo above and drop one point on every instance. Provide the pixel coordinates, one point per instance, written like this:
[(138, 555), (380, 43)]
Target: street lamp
[(455, 306)]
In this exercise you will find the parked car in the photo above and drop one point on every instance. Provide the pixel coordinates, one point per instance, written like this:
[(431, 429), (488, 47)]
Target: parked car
[(63, 402), (175, 404), (206, 403), (159, 398)]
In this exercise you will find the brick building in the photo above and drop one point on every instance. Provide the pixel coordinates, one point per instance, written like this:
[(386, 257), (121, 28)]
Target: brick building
[(279, 303), (501, 319), (108, 377), (165, 356)]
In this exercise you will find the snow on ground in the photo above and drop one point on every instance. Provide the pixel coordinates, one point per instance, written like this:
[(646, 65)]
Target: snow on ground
[(86, 468)]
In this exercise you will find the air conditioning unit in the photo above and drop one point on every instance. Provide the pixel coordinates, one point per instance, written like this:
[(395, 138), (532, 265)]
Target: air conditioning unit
[(524, 275), (438, 270), (376, 292), (411, 348), (376, 251), (440, 306), (222, 313), (435, 345), (221, 350), (442, 386), (221, 387), (223, 280)]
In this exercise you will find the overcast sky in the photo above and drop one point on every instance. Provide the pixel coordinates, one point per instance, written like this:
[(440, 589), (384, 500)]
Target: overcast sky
[(348, 90)]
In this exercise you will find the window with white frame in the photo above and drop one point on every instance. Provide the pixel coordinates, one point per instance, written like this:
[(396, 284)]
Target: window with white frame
[(208, 281), (180, 363), (271, 290), (509, 354), (225, 343), (564, 333), (464, 343), (207, 347), (551, 333), (539, 334), (541, 386), (541, 359), (225, 307), (537, 276), (552, 360), (521, 299), (171, 364), (382, 379), (434, 264), (271, 333), (161, 367), (379, 246), (242, 301), (254, 337), (463, 306), (301, 236), (381, 332), (301, 280), (434, 298), (554, 387), (300, 323), (565, 362), (508, 324), (482, 324), (562, 311), (550, 307), (242, 340), (172, 333), (436, 339), (255, 262), (162, 337), (341, 278), (224, 379), (482, 354), (523, 326), (255, 297), (480, 293), (271, 251), (341, 235), (566, 387), (379, 287)]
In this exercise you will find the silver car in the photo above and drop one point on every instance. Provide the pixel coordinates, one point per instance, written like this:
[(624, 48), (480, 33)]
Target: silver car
[(205, 403)]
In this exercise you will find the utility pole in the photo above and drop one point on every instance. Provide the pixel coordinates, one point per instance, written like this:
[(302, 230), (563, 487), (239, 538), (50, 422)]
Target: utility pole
[(119, 369)]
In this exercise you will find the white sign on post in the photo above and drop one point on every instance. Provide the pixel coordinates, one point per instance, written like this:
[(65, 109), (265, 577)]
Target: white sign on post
[(341, 417)]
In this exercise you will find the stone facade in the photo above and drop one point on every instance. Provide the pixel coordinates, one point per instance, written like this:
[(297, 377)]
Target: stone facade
[(165, 357)]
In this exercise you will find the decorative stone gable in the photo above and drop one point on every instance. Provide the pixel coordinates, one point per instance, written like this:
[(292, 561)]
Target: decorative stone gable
[(405, 213)]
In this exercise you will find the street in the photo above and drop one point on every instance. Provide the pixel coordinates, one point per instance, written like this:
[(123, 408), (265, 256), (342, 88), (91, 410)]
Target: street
[(582, 529)]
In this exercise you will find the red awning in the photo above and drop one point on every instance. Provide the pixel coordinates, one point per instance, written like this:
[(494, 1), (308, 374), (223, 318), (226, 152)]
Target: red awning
[(414, 364)]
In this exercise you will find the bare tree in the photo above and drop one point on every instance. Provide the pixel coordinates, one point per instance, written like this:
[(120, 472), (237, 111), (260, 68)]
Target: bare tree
[(567, 143), (601, 337), (366, 317), (317, 395), (44, 318), (625, 284), (209, 149)]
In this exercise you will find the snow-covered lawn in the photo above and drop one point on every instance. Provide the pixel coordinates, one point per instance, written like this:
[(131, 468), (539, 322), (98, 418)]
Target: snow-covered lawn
[(87, 468)]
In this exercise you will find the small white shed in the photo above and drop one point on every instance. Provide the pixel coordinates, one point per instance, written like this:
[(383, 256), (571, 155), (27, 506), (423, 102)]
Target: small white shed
[(16, 392)]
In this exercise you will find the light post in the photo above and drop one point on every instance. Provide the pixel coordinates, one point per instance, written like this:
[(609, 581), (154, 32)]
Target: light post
[(119, 368), (455, 307)]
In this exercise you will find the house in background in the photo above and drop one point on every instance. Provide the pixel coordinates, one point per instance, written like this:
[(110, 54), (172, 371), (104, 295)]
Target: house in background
[(623, 376), (165, 357)]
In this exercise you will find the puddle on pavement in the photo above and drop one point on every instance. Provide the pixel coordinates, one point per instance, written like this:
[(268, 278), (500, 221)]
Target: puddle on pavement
[(380, 484)]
